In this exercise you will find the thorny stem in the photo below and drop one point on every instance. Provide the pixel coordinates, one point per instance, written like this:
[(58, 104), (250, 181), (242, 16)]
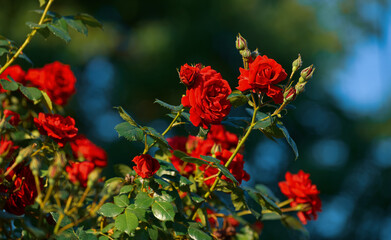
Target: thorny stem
[(28, 39)]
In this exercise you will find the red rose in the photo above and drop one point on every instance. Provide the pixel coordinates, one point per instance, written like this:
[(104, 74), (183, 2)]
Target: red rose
[(6, 147), (22, 191), (219, 135), (188, 74), (60, 129), (56, 79), (207, 98), (15, 72), (82, 147), (300, 189), (179, 143), (15, 117), (235, 167), (78, 172), (146, 166), (262, 76)]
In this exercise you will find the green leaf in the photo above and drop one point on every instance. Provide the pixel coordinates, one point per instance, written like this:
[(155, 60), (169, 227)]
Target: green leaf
[(184, 157), (237, 198), (153, 233), (48, 102), (89, 20), (32, 93), (65, 220), (210, 159), (77, 25), (121, 201), (126, 222), (179, 229), (161, 141), (166, 105), (129, 132), (126, 189), (9, 85), (294, 224), (122, 169), (35, 25), (269, 204), (42, 2), (289, 139), (237, 98), (143, 200), (140, 212), (3, 51), (198, 234), (196, 198), (163, 211), (125, 116), (265, 123), (252, 203), (110, 210), (59, 32)]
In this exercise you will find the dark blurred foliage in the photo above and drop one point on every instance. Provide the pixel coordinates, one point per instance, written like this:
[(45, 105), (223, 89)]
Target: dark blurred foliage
[(134, 60)]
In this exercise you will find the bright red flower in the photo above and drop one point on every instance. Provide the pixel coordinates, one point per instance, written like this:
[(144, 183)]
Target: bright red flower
[(78, 172), (146, 166), (60, 129), (207, 98), (56, 79), (15, 72), (6, 147), (219, 135), (22, 191), (82, 147), (189, 74), (262, 75), (179, 143), (300, 189), (15, 117), (233, 222), (235, 167)]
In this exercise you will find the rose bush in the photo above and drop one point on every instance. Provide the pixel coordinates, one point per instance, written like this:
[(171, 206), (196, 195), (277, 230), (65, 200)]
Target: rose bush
[(182, 187)]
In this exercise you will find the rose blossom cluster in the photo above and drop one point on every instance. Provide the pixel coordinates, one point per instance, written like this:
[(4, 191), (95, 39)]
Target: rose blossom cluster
[(18, 189), (206, 95), (219, 142)]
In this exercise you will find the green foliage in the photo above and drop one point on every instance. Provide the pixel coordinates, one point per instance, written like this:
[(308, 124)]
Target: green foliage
[(110, 210), (126, 222), (163, 211)]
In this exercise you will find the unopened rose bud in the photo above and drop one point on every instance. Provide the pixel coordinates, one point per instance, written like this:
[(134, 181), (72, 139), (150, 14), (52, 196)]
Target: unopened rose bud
[(24, 153), (306, 74), (255, 54), (35, 164), (245, 53), (114, 186), (93, 177), (240, 42), (289, 95), (297, 64), (300, 87), (60, 159)]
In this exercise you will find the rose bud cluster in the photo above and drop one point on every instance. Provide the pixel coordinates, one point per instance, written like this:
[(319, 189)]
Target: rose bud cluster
[(299, 188), (20, 191), (261, 77), (56, 79), (146, 166), (60, 129), (15, 72), (92, 157), (207, 98)]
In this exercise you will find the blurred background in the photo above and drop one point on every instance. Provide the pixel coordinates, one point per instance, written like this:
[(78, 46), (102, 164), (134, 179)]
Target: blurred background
[(342, 124)]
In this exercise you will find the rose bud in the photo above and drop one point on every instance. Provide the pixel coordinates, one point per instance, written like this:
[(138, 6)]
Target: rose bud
[(297, 64), (188, 74), (146, 166), (300, 87), (245, 53), (35, 164), (93, 177), (25, 152), (290, 95), (14, 118), (255, 54), (240, 42), (306, 74)]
